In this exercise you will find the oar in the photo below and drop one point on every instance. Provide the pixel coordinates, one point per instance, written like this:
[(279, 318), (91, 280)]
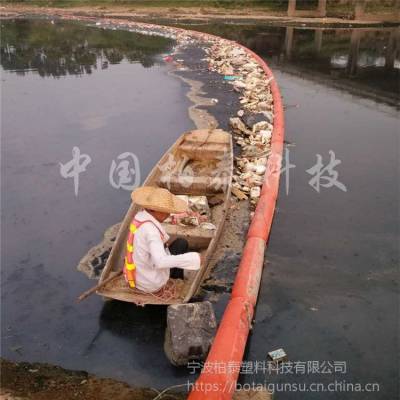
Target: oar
[(208, 136), (96, 288)]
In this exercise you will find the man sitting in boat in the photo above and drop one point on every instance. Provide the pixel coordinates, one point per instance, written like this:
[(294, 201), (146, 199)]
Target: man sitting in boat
[(149, 256)]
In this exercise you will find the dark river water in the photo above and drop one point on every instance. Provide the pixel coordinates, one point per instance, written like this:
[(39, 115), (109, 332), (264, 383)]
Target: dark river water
[(329, 292)]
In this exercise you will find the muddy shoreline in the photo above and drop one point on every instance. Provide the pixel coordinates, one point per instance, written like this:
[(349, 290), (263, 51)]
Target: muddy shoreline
[(379, 18), (37, 381)]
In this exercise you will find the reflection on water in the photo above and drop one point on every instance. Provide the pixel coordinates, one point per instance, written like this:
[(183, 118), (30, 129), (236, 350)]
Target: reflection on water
[(56, 48), (370, 57), (366, 58), (123, 108), (131, 323)]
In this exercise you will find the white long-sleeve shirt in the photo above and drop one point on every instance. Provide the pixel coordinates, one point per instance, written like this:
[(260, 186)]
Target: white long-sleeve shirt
[(153, 261)]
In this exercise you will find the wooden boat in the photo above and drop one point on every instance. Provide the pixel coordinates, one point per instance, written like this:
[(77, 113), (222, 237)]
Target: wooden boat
[(199, 163)]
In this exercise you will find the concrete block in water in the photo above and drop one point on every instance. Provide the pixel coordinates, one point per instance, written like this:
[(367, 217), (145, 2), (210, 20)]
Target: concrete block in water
[(190, 332)]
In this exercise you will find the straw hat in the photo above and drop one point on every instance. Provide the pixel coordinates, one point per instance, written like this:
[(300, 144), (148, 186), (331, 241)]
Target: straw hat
[(158, 199)]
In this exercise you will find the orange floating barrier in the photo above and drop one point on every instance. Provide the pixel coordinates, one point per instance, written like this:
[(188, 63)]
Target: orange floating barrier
[(230, 341)]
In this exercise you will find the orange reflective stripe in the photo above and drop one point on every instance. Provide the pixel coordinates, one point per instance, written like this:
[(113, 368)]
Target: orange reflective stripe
[(130, 266), (131, 236), (129, 272)]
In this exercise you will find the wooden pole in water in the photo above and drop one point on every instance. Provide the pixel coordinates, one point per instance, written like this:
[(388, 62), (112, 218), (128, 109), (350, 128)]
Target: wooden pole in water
[(359, 9), (96, 288), (353, 52), (318, 40), (289, 42), (321, 8), (291, 8)]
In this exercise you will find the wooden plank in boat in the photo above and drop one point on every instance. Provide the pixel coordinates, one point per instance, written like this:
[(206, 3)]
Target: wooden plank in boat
[(197, 237), (208, 151), (203, 135), (119, 290), (194, 185)]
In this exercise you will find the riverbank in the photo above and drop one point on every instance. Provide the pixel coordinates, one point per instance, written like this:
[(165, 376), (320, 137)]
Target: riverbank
[(336, 17), (37, 381)]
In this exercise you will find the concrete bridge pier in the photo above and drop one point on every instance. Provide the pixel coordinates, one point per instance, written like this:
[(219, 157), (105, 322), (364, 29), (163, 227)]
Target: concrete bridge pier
[(319, 12)]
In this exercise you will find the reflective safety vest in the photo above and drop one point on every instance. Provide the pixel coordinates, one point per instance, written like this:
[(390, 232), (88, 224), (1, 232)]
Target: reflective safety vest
[(130, 266)]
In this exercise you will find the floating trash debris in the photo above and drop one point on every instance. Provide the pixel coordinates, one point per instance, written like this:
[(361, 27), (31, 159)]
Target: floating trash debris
[(278, 355), (208, 226), (255, 193), (231, 77), (252, 126), (239, 194)]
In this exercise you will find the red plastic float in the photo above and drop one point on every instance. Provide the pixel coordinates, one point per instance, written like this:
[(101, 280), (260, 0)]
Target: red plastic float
[(230, 341)]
